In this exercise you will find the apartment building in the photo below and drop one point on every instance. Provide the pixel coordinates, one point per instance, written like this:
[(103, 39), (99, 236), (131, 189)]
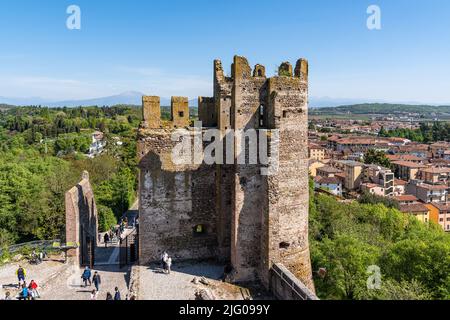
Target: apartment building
[(407, 170)]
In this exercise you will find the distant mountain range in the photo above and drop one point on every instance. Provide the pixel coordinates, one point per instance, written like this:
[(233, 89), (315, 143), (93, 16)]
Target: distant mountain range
[(129, 97), (383, 108), (135, 98)]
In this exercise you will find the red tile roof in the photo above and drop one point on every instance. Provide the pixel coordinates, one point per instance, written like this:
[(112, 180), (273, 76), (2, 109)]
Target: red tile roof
[(406, 197), (412, 208), (409, 164)]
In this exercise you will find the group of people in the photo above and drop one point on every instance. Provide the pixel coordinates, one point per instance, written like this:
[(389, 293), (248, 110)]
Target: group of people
[(116, 232), (26, 291), (97, 280), (37, 258), (112, 234), (109, 296), (30, 291), (166, 262)]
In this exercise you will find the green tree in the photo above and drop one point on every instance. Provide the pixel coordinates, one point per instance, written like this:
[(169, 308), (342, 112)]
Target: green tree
[(106, 218), (373, 156)]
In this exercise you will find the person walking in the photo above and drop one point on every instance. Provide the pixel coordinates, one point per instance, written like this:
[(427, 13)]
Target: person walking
[(106, 239), (33, 289), (117, 294), (7, 296), (97, 280), (21, 275), (168, 264), (24, 293), (164, 257), (109, 296), (94, 295), (86, 276)]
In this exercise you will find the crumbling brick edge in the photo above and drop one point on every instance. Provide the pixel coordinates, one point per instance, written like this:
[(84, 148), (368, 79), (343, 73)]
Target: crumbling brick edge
[(133, 288)]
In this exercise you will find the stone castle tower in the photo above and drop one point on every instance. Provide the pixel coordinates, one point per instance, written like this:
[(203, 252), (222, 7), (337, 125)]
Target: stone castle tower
[(231, 212)]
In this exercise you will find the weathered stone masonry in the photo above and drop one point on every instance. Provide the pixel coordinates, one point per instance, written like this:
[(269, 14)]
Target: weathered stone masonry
[(81, 221), (249, 219)]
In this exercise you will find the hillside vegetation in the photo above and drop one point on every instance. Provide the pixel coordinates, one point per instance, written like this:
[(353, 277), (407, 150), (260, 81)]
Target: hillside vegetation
[(351, 241), (42, 157)]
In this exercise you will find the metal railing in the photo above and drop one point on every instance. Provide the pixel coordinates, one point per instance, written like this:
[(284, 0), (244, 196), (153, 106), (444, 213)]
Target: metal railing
[(33, 245)]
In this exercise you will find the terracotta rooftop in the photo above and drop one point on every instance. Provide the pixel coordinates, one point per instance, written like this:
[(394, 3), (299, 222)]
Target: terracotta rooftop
[(436, 170), (405, 157), (370, 185), (432, 187), (442, 206), (409, 164), (406, 197), (327, 180), (412, 208), (399, 182), (329, 169)]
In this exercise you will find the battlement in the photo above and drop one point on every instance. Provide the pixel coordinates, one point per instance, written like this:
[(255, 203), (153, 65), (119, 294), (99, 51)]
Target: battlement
[(151, 111), (240, 69), (207, 111)]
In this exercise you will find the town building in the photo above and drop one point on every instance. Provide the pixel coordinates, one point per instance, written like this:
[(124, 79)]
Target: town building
[(330, 184)]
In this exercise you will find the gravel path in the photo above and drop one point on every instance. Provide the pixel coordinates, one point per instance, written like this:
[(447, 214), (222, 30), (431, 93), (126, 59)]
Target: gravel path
[(154, 284)]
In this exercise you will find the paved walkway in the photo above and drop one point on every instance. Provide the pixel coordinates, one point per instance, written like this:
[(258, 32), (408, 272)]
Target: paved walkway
[(59, 281), (43, 274), (69, 286)]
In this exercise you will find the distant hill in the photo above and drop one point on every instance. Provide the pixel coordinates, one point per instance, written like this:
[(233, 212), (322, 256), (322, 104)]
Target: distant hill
[(382, 108), (5, 107), (324, 102), (126, 98)]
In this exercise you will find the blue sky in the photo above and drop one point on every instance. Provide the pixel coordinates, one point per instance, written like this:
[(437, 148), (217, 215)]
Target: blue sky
[(167, 47)]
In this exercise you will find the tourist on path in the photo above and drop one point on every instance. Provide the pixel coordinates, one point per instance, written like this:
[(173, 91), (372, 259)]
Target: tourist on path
[(109, 296), (86, 276), (93, 295), (7, 296), (117, 294), (21, 275), (164, 258), (168, 264), (106, 238), (33, 289), (24, 293), (97, 280)]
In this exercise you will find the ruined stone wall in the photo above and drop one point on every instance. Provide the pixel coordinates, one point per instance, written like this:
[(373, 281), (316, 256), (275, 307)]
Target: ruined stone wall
[(151, 111), (288, 198), (224, 173), (179, 112), (207, 112), (174, 199), (248, 186), (81, 221)]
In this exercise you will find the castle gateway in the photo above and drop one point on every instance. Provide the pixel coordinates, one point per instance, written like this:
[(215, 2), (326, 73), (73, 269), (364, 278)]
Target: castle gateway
[(231, 212)]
